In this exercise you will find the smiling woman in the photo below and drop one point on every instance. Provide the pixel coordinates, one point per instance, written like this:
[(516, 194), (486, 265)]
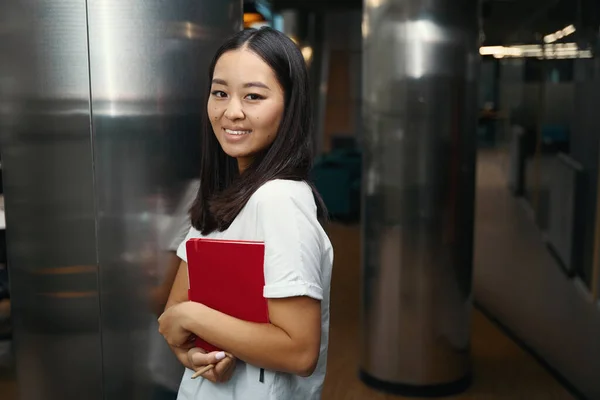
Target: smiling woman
[(259, 90), (257, 154), (246, 105)]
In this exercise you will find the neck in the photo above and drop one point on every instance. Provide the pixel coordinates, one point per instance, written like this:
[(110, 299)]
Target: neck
[(243, 164)]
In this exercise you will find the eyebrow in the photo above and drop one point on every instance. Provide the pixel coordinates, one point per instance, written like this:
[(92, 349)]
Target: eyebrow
[(246, 85)]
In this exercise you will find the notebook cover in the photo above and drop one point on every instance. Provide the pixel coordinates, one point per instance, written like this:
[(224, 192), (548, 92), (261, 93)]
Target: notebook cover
[(227, 276)]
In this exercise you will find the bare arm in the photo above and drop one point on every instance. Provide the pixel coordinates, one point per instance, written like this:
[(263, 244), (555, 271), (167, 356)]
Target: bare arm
[(161, 293), (179, 291), (290, 343), (179, 295)]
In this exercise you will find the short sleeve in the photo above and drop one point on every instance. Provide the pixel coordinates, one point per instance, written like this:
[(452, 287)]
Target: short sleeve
[(181, 225), (292, 240), (181, 250), (180, 231)]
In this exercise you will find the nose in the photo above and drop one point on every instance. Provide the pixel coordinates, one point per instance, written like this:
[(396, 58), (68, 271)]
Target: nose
[(234, 110)]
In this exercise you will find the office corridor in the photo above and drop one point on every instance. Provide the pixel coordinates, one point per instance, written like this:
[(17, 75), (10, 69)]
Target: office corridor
[(502, 370)]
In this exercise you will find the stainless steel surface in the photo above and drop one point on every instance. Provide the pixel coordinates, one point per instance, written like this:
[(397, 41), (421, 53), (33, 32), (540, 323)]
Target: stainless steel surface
[(420, 65), (49, 198), (295, 24), (148, 72), (100, 105)]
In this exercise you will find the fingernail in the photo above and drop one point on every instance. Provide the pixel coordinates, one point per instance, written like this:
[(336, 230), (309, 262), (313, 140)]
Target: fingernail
[(220, 355)]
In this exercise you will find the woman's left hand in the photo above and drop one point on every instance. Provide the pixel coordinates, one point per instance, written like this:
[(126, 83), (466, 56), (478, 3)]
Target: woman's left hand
[(172, 322), (224, 364)]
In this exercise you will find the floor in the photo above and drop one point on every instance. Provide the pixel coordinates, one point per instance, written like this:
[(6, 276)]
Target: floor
[(8, 389), (523, 285), (502, 370)]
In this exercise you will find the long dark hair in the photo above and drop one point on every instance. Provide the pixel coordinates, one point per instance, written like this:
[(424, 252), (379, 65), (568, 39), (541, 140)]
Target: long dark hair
[(223, 190)]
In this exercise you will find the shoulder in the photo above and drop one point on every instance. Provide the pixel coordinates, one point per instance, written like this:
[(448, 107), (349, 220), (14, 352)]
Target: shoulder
[(288, 203), (286, 191)]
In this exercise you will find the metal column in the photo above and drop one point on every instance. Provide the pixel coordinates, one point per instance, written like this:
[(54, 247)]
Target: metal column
[(420, 67), (100, 108)]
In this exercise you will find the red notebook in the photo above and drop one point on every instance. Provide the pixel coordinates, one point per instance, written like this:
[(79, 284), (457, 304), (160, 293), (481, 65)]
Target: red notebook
[(227, 276)]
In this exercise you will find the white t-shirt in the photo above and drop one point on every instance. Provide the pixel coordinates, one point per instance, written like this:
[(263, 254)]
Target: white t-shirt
[(298, 262)]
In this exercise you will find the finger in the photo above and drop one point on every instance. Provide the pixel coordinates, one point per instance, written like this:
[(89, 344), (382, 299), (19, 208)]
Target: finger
[(227, 375), (210, 372), (190, 353), (228, 369), (214, 372), (211, 376), (223, 366), (199, 358), (194, 350), (224, 369), (182, 356)]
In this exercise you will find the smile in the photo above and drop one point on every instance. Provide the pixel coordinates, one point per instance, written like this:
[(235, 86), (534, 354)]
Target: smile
[(238, 133)]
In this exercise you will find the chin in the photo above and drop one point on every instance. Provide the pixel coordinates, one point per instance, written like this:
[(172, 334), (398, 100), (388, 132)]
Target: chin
[(235, 153)]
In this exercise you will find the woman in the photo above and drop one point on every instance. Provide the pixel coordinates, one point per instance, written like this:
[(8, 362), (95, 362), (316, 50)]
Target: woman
[(257, 153)]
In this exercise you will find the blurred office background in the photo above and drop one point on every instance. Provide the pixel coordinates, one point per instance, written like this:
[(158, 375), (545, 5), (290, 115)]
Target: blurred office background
[(463, 191)]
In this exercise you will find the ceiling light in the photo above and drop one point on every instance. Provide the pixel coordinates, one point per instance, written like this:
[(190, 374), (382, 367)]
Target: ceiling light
[(553, 37), (569, 30)]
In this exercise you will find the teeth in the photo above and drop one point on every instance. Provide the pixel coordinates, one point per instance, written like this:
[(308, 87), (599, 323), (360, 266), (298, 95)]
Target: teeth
[(237, 132)]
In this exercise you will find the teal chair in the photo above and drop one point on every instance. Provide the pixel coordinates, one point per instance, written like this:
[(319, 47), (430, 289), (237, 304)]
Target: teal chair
[(337, 177)]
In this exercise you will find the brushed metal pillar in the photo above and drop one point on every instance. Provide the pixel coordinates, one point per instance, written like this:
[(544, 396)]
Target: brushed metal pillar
[(420, 68), (100, 110), (148, 66), (49, 199)]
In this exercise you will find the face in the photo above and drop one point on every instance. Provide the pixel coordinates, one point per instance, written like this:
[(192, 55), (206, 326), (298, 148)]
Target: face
[(245, 106)]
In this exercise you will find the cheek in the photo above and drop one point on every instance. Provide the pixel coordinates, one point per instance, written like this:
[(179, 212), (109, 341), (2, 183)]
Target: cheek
[(213, 118), (213, 111), (268, 122)]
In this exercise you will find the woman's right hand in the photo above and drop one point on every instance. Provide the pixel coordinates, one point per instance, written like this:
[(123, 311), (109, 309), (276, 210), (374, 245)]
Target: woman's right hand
[(224, 364)]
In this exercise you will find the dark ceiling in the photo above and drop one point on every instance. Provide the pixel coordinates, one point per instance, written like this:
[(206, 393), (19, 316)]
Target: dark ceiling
[(527, 21), (316, 5), (504, 21)]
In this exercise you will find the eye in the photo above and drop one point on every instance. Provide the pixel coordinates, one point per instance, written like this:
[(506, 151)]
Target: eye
[(219, 93), (254, 96)]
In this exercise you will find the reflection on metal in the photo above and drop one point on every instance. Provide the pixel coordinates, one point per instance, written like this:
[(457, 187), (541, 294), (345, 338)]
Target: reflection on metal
[(49, 198), (69, 295), (100, 107), (190, 30), (420, 65), (65, 270), (547, 51), (595, 278)]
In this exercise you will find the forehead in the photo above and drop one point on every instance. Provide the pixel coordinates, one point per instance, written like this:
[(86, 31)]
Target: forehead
[(242, 66)]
